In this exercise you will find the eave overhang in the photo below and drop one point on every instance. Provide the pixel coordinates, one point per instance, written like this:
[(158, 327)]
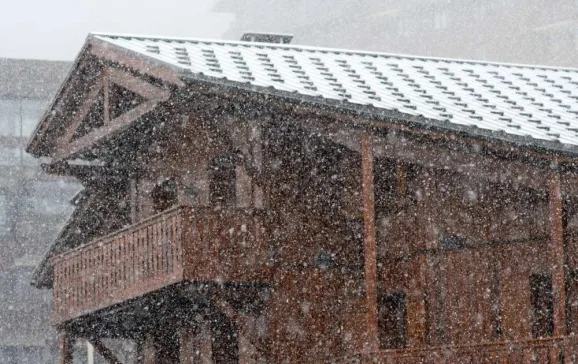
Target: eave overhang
[(41, 144)]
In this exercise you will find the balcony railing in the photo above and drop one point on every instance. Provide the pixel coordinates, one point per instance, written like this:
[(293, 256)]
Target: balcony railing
[(181, 244), (560, 350)]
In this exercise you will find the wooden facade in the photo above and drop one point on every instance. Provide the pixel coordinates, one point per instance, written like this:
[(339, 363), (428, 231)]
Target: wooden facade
[(223, 226)]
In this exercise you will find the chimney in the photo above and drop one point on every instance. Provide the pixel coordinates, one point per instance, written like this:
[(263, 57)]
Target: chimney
[(267, 38)]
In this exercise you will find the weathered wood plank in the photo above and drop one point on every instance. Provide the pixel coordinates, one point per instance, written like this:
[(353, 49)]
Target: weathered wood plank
[(369, 243), (557, 254)]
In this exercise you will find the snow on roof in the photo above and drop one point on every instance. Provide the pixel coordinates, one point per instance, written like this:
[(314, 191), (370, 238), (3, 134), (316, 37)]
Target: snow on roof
[(540, 103)]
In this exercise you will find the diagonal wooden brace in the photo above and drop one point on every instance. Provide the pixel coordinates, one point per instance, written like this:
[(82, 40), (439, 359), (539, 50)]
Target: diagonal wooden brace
[(105, 352)]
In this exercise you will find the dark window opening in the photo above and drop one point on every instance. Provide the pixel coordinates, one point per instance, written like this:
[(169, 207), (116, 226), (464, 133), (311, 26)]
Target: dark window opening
[(164, 195), (542, 305), (222, 182), (392, 321), (451, 242), (325, 260)]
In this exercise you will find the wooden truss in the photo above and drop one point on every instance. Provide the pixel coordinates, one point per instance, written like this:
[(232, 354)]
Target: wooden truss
[(116, 100)]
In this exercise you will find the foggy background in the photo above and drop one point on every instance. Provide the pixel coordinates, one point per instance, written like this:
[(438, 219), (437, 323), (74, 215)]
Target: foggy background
[(520, 31)]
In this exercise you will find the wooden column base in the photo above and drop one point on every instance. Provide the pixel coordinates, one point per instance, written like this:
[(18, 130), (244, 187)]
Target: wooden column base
[(66, 348)]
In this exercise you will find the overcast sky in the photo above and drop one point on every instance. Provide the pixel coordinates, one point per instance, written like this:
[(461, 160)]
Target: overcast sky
[(56, 29)]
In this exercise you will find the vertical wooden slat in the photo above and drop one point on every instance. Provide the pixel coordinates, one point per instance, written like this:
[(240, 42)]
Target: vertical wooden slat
[(159, 240), (213, 242), (100, 273), (150, 251), (56, 290), (170, 242), (556, 247), (66, 347), (72, 287), (117, 265), (130, 259), (143, 254), (123, 262), (154, 244), (91, 274), (120, 279), (369, 243), (183, 238), (139, 254), (108, 266), (164, 245), (113, 267), (74, 282), (85, 278)]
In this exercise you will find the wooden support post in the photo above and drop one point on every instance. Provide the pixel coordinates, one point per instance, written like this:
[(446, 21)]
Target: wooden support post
[(205, 352), (557, 254), (369, 243), (66, 347), (401, 173), (140, 350), (187, 345), (256, 142), (105, 352), (146, 353)]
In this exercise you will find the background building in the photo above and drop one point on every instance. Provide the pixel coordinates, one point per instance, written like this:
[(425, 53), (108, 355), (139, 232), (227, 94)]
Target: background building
[(33, 207), (520, 31)]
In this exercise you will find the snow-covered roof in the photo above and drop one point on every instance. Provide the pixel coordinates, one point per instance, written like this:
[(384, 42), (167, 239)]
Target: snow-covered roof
[(539, 103)]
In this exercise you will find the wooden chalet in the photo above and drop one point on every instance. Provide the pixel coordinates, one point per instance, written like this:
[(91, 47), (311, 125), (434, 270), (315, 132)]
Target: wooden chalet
[(268, 203)]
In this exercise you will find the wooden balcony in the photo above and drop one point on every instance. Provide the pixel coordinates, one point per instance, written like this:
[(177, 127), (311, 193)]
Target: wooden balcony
[(181, 244), (560, 350)]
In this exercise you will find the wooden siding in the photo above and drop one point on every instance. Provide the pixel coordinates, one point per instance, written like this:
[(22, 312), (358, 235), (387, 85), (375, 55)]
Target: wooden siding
[(543, 351)]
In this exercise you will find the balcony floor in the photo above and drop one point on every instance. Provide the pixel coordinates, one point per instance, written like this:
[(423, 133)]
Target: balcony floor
[(168, 307)]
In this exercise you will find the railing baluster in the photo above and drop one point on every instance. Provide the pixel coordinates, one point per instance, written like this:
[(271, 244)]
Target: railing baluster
[(148, 242), (170, 244), (162, 247), (159, 247), (113, 268)]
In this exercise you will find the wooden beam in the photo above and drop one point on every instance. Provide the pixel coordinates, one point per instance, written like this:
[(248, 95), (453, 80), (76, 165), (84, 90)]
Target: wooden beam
[(106, 89), (557, 256), (104, 50), (401, 173), (432, 155), (105, 352), (66, 347), (57, 106), (369, 243), (154, 94), (82, 113), (138, 85), (115, 126), (469, 163), (472, 162)]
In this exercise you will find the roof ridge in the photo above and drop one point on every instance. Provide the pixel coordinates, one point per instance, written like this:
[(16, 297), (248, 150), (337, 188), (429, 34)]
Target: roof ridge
[(331, 50)]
